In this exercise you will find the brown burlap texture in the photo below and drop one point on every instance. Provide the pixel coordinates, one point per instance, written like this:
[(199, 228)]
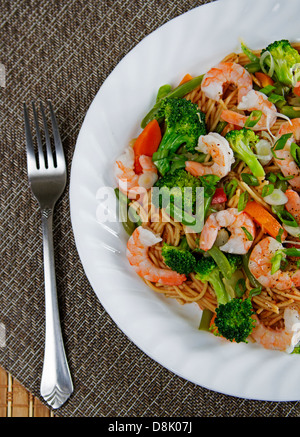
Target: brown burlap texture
[(64, 50)]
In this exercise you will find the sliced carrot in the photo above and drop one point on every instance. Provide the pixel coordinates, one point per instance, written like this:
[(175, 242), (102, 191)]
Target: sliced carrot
[(264, 79), (147, 143), (186, 78), (296, 89), (264, 219)]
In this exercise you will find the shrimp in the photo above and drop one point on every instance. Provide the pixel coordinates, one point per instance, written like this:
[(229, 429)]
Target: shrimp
[(293, 207), (293, 204), (137, 254), (279, 339), (226, 72), (219, 149), (253, 101), (236, 223), (291, 126), (260, 265), (285, 160), (130, 182)]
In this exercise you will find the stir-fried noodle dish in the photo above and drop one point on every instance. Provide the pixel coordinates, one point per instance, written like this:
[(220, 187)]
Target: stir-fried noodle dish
[(209, 196)]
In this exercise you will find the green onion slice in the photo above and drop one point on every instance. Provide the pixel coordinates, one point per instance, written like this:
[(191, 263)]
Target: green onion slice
[(255, 291), (250, 179), (267, 190), (253, 118), (279, 235), (295, 152), (267, 89), (292, 251), (243, 201), (275, 98), (277, 197), (285, 178), (247, 233), (271, 177), (281, 142), (276, 261), (287, 218), (230, 188), (269, 72)]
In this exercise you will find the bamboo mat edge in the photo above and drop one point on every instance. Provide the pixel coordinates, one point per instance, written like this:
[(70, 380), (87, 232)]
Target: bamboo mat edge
[(16, 401)]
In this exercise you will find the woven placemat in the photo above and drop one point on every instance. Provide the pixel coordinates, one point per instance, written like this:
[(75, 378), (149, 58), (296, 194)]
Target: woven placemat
[(16, 401), (64, 50)]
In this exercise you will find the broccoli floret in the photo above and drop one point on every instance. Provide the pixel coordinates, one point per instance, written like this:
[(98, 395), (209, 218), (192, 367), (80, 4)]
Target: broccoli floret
[(241, 141), (185, 197), (183, 124), (166, 91), (179, 258), (235, 261), (234, 320), (176, 183), (226, 323), (209, 271), (286, 61)]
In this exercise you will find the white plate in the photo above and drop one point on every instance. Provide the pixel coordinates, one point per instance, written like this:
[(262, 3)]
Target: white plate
[(164, 330)]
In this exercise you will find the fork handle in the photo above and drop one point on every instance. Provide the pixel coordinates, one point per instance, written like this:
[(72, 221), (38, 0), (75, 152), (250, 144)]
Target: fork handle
[(56, 382)]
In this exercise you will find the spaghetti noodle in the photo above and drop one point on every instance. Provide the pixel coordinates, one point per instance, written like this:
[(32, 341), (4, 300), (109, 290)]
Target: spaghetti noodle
[(270, 303)]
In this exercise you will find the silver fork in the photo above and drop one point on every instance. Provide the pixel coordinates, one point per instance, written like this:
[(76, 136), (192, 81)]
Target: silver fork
[(47, 179)]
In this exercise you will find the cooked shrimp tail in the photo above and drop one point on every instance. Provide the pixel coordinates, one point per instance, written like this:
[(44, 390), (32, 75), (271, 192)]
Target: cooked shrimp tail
[(129, 181), (293, 204), (137, 254), (218, 148), (225, 73), (253, 101), (240, 226), (279, 339), (260, 265)]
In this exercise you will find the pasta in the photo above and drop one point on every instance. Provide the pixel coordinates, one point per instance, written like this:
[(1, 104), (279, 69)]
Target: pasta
[(269, 303)]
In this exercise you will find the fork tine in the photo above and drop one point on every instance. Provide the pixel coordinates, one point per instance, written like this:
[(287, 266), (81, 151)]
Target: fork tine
[(31, 158), (49, 153), (59, 151), (41, 155)]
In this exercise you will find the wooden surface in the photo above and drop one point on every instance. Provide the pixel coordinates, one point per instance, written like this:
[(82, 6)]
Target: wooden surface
[(16, 401)]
